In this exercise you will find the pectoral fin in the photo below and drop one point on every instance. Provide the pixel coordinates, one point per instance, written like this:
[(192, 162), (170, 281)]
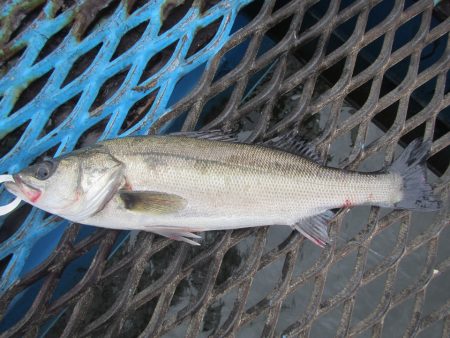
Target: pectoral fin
[(152, 202)]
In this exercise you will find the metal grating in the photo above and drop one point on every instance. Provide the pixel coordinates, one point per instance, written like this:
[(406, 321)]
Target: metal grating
[(150, 286)]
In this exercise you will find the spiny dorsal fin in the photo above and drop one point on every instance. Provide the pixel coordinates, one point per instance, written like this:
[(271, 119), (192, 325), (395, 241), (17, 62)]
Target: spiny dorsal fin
[(214, 135), (290, 142), (152, 202)]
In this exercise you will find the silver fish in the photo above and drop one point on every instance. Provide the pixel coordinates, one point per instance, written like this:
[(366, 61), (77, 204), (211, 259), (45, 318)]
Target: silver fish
[(178, 185)]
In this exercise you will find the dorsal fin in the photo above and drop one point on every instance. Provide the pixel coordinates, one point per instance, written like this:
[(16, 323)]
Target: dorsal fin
[(214, 135), (295, 144), (290, 142)]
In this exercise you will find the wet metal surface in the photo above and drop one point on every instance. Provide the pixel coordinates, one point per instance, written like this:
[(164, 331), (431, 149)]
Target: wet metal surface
[(385, 273)]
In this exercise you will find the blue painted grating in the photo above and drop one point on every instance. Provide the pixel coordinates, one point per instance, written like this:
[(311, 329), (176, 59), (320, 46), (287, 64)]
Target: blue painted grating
[(85, 90)]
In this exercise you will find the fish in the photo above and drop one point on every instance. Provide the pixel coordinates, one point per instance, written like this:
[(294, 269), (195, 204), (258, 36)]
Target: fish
[(178, 185)]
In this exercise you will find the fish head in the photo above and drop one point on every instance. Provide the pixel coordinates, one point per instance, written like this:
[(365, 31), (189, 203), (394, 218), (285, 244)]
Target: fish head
[(39, 183), (73, 186)]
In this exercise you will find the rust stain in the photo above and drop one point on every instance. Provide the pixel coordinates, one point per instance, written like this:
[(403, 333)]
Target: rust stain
[(144, 88)]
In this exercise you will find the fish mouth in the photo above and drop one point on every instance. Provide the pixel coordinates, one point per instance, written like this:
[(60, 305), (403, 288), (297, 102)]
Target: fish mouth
[(22, 189)]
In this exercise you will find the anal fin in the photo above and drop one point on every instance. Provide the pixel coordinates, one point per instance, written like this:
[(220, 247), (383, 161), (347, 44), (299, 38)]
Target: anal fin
[(315, 228)]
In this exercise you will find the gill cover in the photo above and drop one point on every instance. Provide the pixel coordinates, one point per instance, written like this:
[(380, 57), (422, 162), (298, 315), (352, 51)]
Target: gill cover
[(101, 176)]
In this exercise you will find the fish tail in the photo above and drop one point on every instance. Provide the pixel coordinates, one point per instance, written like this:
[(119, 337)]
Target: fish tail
[(417, 193)]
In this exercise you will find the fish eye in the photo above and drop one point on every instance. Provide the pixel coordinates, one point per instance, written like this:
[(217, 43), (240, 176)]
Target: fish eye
[(44, 170)]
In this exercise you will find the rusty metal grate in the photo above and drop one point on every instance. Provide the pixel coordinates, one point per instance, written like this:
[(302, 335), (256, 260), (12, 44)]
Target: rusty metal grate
[(383, 275)]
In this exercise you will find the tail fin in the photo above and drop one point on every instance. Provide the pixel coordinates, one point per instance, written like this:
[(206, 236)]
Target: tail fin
[(417, 193)]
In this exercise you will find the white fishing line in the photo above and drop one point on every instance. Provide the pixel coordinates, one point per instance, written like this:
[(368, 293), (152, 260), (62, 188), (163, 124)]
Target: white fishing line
[(6, 209)]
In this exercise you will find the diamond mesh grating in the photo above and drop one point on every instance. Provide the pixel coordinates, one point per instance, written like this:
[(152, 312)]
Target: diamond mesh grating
[(266, 282)]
